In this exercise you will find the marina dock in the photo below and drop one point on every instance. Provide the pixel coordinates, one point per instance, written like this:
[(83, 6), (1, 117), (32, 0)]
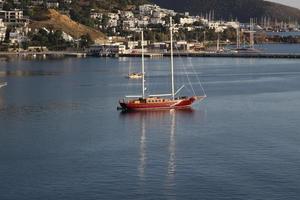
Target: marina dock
[(221, 55), (44, 54), (149, 55)]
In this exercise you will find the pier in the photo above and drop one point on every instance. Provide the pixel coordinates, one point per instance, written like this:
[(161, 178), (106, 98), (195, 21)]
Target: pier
[(45, 54), (220, 55), (58, 54), (241, 55), (149, 55)]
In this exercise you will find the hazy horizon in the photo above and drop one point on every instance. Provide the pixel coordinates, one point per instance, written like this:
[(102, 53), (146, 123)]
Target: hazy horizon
[(292, 3)]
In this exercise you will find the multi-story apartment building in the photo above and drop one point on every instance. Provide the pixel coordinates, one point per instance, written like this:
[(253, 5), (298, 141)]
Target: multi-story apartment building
[(2, 30), (12, 16)]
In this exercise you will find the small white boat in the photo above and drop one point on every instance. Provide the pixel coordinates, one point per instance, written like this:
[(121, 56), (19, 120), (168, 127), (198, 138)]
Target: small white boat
[(3, 84), (135, 76)]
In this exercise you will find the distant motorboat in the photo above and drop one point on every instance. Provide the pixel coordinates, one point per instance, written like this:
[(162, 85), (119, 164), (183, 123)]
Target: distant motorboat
[(3, 85), (246, 50), (135, 75)]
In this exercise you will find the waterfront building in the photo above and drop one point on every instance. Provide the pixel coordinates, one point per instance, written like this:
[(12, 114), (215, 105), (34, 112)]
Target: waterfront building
[(128, 25), (233, 24), (187, 20), (12, 16), (67, 37), (142, 23), (154, 20), (37, 2), (52, 4), (132, 44), (213, 25), (126, 14), (3, 28), (147, 9), (96, 15), (106, 49), (158, 14)]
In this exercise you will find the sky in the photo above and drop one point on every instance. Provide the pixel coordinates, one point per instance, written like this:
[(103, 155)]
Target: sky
[(293, 3)]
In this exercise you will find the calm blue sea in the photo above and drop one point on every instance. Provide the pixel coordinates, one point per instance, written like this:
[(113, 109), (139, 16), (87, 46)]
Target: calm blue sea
[(61, 136), (279, 48), (283, 34)]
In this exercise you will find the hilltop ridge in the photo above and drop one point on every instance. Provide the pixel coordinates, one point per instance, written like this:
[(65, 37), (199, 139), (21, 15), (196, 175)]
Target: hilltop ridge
[(243, 10)]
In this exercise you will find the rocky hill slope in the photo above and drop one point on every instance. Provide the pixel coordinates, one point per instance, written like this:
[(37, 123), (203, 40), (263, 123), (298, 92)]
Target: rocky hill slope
[(54, 20)]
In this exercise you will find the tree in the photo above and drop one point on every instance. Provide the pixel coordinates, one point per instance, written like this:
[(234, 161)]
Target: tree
[(7, 33), (8, 5), (85, 41), (104, 21), (25, 44)]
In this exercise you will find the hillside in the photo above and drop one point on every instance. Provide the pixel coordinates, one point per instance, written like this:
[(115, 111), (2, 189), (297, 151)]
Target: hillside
[(226, 9), (109, 6), (56, 21)]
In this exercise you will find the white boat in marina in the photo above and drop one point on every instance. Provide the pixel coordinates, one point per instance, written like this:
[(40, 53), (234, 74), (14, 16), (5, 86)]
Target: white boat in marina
[(3, 84)]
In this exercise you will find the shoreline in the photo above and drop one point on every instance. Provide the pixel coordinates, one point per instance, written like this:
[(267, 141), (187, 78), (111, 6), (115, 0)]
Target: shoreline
[(62, 54)]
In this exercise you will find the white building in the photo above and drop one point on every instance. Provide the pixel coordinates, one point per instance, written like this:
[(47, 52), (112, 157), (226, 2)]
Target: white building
[(113, 16), (214, 25), (14, 37), (67, 37), (107, 49), (128, 24), (68, 1), (142, 23), (96, 15), (151, 9), (13, 16), (52, 4), (112, 23), (147, 9), (132, 44), (157, 21), (37, 2), (126, 14), (168, 12), (2, 30), (158, 14), (187, 20), (232, 24)]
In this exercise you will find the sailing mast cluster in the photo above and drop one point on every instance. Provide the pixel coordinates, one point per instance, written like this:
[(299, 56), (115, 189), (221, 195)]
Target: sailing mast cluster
[(158, 101)]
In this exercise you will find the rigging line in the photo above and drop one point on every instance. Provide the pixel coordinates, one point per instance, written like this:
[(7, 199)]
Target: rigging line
[(188, 77), (185, 70), (129, 68), (190, 88), (129, 84), (197, 77)]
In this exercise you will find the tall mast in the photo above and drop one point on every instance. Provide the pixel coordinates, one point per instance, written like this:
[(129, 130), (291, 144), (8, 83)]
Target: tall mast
[(251, 33), (238, 37), (143, 66), (218, 42), (172, 60)]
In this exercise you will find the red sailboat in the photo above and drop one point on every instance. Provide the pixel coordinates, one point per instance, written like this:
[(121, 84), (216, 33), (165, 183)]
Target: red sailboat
[(158, 101)]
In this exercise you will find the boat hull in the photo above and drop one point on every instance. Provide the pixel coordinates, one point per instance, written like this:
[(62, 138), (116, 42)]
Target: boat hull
[(167, 105), (3, 85)]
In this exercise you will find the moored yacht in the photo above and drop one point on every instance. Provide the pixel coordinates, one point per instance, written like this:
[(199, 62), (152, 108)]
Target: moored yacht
[(158, 101)]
